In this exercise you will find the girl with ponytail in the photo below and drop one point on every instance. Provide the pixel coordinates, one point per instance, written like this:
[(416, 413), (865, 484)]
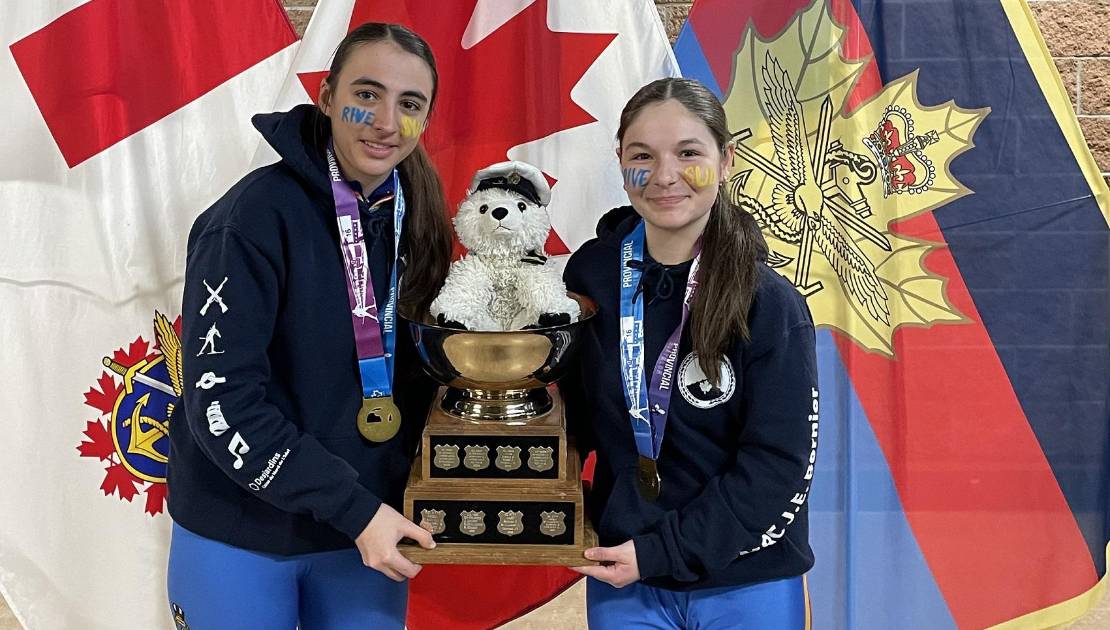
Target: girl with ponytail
[(302, 405), (702, 401)]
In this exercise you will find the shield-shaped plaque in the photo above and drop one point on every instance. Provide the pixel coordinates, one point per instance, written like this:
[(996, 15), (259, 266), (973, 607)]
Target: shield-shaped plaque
[(472, 523), (553, 523), (510, 523), (539, 458), (447, 456), (432, 520), (477, 457), (508, 458)]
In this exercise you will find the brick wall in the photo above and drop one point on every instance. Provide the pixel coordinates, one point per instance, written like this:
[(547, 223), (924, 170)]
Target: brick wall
[(1077, 32)]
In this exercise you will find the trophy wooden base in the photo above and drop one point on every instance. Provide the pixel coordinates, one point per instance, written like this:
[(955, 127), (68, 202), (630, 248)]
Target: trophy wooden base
[(522, 506)]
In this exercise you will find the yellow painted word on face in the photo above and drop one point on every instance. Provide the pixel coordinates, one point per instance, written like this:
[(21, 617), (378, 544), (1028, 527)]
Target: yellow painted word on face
[(411, 127), (699, 176)]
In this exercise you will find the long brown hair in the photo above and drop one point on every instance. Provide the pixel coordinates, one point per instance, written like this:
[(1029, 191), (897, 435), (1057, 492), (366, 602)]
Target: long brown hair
[(428, 233), (732, 244)]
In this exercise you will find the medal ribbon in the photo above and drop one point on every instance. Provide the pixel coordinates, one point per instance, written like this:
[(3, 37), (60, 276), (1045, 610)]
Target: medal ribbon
[(648, 423), (375, 337)]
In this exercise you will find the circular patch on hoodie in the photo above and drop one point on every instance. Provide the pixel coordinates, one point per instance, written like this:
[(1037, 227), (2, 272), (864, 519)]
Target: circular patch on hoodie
[(696, 388)]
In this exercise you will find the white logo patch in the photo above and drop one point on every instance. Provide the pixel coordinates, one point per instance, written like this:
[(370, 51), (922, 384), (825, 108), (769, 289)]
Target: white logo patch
[(696, 388)]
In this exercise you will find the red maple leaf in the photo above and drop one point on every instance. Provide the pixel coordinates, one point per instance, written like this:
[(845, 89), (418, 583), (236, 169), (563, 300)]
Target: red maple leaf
[(119, 480), (511, 88), (99, 444), (104, 398), (137, 351), (155, 498)]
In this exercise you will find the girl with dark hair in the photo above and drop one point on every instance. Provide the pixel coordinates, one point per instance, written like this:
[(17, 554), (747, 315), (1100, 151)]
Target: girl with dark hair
[(703, 410), (302, 405)]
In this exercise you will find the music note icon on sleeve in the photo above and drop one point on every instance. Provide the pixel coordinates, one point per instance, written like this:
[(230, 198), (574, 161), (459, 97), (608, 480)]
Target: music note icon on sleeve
[(238, 447)]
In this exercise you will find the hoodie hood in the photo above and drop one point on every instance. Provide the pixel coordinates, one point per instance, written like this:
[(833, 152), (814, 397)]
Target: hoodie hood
[(299, 137), (657, 281), (616, 224)]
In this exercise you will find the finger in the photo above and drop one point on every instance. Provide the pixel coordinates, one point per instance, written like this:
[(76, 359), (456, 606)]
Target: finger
[(602, 554), (404, 566), (391, 574), (422, 536), (604, 574)]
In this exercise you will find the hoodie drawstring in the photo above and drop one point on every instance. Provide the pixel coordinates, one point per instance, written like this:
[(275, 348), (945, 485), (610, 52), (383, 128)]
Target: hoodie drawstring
[(664, 285)]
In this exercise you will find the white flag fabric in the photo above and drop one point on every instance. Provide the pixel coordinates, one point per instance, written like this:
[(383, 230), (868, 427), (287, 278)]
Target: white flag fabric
[(123, 120)]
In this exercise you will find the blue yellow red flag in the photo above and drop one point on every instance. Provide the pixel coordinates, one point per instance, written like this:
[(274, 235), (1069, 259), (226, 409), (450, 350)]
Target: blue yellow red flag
[(921, 178)]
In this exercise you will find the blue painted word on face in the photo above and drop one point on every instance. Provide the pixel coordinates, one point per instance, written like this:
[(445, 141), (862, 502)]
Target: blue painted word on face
[(357, 115), (636, 177)]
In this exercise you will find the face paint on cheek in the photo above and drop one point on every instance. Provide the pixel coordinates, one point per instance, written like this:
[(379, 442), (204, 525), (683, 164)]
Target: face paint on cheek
[(411, 127), (698, 176), (357, 116), (636, 178)]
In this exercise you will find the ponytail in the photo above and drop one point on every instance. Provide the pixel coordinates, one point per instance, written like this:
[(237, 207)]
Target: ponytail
[(428, 237), (732, 247)]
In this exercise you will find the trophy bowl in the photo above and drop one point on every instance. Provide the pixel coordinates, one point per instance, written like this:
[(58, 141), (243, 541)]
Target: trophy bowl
[(498, 376)]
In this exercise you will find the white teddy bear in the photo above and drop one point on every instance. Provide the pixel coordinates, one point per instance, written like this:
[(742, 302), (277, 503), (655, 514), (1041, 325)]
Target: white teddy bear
[(505, 282)]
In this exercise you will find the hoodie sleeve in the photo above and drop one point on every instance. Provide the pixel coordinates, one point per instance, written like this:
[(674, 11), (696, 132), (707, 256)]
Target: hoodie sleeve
[(750, 506), (230, 307), (572, 386)]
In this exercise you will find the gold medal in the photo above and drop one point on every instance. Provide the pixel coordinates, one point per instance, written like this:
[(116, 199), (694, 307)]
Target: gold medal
[(650, 483), (379, 419)]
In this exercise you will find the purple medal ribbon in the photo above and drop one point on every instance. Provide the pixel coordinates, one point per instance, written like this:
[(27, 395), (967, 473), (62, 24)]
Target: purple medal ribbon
[(375, 337)]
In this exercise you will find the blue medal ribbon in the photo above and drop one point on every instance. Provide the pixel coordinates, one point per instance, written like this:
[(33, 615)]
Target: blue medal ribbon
[(649, 421)]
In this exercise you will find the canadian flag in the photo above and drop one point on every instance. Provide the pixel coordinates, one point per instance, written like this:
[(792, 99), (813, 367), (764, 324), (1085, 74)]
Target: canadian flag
[(122, 120), (541, 81)]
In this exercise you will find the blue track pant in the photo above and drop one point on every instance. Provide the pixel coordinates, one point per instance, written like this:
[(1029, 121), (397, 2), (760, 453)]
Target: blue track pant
[(215, 586), (776, 605)]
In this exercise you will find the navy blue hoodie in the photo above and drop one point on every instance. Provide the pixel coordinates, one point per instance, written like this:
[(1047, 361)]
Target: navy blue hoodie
[(737, 457), (264, 451)]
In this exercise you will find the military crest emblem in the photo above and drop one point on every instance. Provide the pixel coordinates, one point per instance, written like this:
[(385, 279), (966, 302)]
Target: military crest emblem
[(432, 520), (508, 458), (826, 178), (135, 396), (553, 523), (447, 456), (472, 522), (510, 522)]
